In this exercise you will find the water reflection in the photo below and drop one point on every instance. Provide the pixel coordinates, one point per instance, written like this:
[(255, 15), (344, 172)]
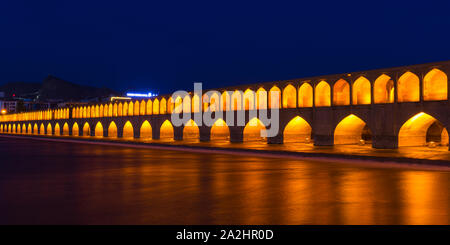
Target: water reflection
[(66, 183)]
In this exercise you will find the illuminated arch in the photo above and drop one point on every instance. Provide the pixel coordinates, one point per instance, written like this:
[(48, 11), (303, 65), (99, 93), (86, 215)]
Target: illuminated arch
[(163, 106), (14, 128), (420, 129), (146, 130), (178, 105), (115, 110), (289, 97), (408, 88), (249, 99), (236, 100), (29, 129), (57, 129), (101, 111), (191, 130), (361, 91), (205, 102), (274, 97), (131, 108), (341, 93), (97, 111), (128, 131), (187, 104), (166, 130), (99, 130), (112, 130), (297, 130), (305, 95), (196, 103), (383, 90), (105, 110), (24, 128), (136, 108), (170, 105), (225, 101), (351, 130), (261, 98), (49, 129), (214, 104), (35, 129), (93, 111), (435, 85), (142, 109), (149, 107), (86, 130), (65, 129), (322, 94), (252, 131), (220, 130), (444, 137), (120, 110), (155, 107), (125, 109)]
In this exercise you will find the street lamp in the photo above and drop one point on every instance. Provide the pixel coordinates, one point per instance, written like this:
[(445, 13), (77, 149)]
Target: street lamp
[(3, 111)]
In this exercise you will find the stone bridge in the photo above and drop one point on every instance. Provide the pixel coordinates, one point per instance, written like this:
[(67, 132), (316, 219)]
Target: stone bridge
[(388, 108)]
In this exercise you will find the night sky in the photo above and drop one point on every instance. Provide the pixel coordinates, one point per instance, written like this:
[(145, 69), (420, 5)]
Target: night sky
[(164, 47)]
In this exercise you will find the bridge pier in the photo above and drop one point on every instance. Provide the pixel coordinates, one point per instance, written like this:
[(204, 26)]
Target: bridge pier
[(205, 133), (236, 134), (178, 133)]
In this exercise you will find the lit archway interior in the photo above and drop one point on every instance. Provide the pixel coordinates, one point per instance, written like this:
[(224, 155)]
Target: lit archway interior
[(112, 130), (65, 129), (408, 88), (49, 129), (128, 131), (57, 129), (322, 95), (341, 93), (220, 130), (305, 95), (29, 129), (289, 97), (261, 98), (146, 130), (99, 130), (361, 91), (86, 130), (274, 97), (249, 99), (421, 129), (35, 129), (297, 130), (41, 130), (166, 130), (252, 131), (191, 130), (351, 130), (435, 85), (383, 90)]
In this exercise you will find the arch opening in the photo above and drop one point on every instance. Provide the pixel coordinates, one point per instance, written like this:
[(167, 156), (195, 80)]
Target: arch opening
[(361, 92), (146, 130), (421, 130), (86, 130), (65, 129), (191, 130), (305, 95), (166, 130), (57, 129), (99, 130), (383, 90), (322, 95), (408, 88), (128, 131), (289, 97), (297, 130), (341, 93), (252, 131), (220, 131), (112, 130), (352, 130), (435, 85)]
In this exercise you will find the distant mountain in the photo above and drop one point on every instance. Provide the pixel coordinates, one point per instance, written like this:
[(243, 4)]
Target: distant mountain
[(55, 89)]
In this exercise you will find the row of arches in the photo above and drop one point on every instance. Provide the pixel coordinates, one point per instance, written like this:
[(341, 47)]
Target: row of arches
[(417, 131), (407, 88)]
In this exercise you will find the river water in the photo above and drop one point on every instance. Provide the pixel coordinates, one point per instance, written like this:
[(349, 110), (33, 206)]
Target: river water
[(45, 182)]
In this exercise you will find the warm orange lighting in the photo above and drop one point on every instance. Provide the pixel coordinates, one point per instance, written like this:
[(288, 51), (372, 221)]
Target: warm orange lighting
[(3, 111), (146, 130), (349, 130), (112, 130), (128, 131), (220, 130), (341, 93), (435, 85), (383, 90), (252, 131), (322, 95), (408, 88), (289, 97), (297, 130), (166, 130), (191, 130), (99, 130), (305, 95), (361, 91), (414, 131)]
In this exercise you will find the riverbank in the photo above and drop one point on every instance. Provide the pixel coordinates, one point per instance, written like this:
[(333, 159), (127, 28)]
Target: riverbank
[(236, 149)]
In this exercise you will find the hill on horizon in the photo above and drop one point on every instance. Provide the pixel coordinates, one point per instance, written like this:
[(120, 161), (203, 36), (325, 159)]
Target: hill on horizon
[(54, 89)]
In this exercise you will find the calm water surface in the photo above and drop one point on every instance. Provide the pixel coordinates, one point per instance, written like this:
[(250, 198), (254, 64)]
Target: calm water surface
[(68, 183)]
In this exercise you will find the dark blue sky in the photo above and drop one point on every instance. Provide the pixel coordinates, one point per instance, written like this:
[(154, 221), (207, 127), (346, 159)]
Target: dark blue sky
[(145, 46)]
